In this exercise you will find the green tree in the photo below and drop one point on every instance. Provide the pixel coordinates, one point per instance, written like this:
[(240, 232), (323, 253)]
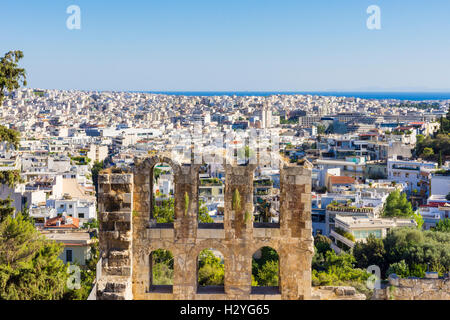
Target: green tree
[(419, 220), (443, 225), (340, 270), (5, 209), (30, 268), (401, 269), (371, 252), (211, 270), (11, 137), (268, 274), (10, 178), (11, 76), (164, 213), (265, 269), (162, 267), (203, 214), (418, 248), (397, 205)]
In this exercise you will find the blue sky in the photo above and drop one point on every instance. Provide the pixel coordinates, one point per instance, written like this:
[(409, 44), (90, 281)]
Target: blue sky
[(232, 45)]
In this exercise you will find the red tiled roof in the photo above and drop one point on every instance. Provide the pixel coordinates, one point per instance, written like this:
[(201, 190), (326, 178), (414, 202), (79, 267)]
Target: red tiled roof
[(342, 180), (51, 223)]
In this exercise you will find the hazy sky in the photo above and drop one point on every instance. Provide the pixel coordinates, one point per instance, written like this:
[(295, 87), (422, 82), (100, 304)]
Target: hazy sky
[(235, 45)]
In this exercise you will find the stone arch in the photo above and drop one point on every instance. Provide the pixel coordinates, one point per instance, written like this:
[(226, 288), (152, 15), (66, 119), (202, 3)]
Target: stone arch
[(266, 288), (211, 188), (161, 270), (144, 168), (216, 288)]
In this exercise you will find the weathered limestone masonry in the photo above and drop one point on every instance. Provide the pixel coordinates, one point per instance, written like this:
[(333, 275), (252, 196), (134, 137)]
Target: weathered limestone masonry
[(415, 289), (129, 234), (115, 212)]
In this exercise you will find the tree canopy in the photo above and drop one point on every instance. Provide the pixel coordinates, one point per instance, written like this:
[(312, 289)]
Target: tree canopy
[(265, 270), (29, 265), (10, 136), (443, 225), (211, 271), (419, 250), (397, 205), (11, 76)]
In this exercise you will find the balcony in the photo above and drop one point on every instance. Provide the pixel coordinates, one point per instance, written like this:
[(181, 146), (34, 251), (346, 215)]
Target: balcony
[(342, 239)]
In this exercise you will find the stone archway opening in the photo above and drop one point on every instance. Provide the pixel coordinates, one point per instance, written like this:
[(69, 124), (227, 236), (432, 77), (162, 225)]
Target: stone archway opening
[(161, 271), (210, 272), (211, 195), (265, 271), (163, 194), (266, 195)]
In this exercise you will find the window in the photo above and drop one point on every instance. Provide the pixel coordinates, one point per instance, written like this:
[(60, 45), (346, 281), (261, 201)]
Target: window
[(265, 271), (61, 206), (210, 272), (161, 271), (68, 255), (210, 196), (162, 198), (81, 215), (70, 206), (266, 197)]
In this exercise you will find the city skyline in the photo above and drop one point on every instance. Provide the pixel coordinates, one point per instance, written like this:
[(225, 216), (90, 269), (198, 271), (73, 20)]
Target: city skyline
[(232, 46)]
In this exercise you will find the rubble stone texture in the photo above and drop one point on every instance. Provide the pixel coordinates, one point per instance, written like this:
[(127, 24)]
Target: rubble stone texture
[(415, 289), (129, 234)]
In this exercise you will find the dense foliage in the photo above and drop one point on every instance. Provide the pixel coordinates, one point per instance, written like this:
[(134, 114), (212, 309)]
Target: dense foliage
[(443, 225), (29, 265), (162, 267), (203, 214), (397, 205), (339, 270), (211, 271), (265, 270), (10, 178), (11, 137), (437, 147), (165, 212), (419, 250), (11, 76)]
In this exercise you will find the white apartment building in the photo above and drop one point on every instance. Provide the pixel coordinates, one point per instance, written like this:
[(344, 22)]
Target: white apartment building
[(361, 227), (83, 209), (408, 171)]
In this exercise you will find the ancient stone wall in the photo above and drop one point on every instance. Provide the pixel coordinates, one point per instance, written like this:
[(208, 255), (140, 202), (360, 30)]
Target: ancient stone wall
[(115, 235), (129, 234), (415, 289)]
